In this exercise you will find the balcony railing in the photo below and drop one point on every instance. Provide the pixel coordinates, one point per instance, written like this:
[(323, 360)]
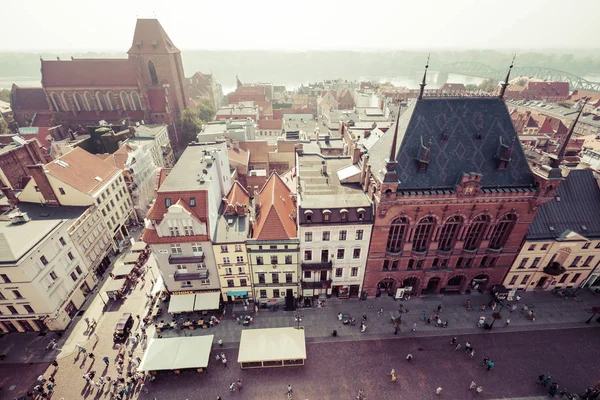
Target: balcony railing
[(177, 259), (419, 255), (315, 266), (490, 250), (193, 276), (393, 255), (326, 284)]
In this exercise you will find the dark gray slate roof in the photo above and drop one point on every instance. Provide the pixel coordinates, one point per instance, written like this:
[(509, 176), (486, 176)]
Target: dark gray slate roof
[(577, 209), (473, 125)]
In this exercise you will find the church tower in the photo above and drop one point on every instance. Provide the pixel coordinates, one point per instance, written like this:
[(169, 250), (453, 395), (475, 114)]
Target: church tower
[(160, 66)]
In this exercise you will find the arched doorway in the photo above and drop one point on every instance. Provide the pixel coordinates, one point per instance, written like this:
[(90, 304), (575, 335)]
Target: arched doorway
[(386, 285), (433, 286), (456, 283), (411, 285), (480, 282)]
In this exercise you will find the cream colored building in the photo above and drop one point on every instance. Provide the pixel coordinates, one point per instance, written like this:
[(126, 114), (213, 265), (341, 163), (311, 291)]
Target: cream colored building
[(562, 246), (82, 179), (44, 279), (273, 246), (229, 246)]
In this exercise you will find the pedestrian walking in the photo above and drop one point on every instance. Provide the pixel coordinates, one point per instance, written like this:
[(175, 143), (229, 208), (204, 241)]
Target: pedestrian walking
[(439, 308), (55, 364), (380, 312), (553, 389), (409, 357), (224, 361), (87, 321), (486, 359), (438, 391), (289, 389), (423, 317), (472, 353), (106, 360), (546, 380), (363, 327), (473, 385), (394, 377), (78, 347), (144, 388), (468, 347), (396, 327), (507, 323), (453, 341), (239, 384), (414, 326), (232, 387), (360, 395), (458, 346), (220, 342), (490, 365), (479, 390), (92, 356)]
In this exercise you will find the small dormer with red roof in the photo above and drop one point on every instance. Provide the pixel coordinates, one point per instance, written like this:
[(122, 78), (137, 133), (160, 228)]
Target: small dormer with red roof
[(237, 201)]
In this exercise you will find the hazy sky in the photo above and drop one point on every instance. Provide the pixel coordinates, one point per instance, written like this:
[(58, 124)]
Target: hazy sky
[(304, 24)]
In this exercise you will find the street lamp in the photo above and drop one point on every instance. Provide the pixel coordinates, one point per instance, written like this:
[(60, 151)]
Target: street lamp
[(298, 319)]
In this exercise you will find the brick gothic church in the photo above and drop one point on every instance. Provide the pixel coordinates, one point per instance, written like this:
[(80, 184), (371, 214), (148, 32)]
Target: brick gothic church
[(453, 194), (149, 85)]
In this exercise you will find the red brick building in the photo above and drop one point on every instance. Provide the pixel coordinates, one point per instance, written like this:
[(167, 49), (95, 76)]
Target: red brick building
[(149, 85), (15, 159), (454, 197)]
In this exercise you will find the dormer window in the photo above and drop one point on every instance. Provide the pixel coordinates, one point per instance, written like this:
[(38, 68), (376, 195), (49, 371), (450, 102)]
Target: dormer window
[(308, 215), (361, 214), (168, 202), (326, 215), (192, 202), (344, 215)]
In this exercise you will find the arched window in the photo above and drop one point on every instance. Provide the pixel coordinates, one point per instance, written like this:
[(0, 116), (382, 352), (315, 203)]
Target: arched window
[(101, 100), (135, 100), (110, 101), (78, 100), (423, 234), (502, 230), (396, 235), (152, 70), (65, 101), (475, 232), (449, 232), (58, 106), (125, 101), (89, 101)]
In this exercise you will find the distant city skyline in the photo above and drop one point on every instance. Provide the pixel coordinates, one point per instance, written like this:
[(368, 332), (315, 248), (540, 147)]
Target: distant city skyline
[(313, 25)]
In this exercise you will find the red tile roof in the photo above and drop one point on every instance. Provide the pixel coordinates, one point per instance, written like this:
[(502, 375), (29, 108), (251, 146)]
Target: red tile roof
[(274, 221), (28, 99), (200, 211), (531, 123), (237, 194), (239, 156), (272, 124), (118, 158), (81, 171), (150, 37), (546, 127), (89, 73)]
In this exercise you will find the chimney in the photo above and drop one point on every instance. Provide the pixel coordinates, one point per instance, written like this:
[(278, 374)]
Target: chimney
[(41, 181), (235, 145), (13, 201), (355, 155), (327, 139), (324, 168), (132, 130)]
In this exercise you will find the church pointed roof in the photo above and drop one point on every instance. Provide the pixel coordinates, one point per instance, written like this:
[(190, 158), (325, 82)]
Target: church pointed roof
[(546, 127), (150, 37), (466, 135)]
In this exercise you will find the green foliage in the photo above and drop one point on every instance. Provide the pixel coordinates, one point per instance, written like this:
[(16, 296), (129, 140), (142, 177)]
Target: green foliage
[(471, 87), (488, 85), (522, 82), (5, 95), (189, 125), (206, 111), (3, 126)]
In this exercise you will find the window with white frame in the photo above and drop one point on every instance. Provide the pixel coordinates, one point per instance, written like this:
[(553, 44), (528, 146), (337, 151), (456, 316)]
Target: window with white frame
[(176, 249), (174, 230), (241, 270), (188, 230), (226, 260), (239, 259), (354, 271), (196, 247)]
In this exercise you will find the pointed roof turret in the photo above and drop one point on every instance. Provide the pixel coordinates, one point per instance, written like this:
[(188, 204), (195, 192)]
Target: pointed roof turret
[(563, 149), (390, 164), (424, 83), (505, 84)]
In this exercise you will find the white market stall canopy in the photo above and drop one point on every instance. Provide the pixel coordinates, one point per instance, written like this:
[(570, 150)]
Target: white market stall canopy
[(114, 285), (207, 301), (274, 347), (138, 246), (122, 269), (130, 258), (177, 353), (181, 303)]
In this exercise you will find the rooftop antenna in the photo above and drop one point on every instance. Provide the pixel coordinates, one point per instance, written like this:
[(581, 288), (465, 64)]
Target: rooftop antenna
[(505, 84), (424, 83)]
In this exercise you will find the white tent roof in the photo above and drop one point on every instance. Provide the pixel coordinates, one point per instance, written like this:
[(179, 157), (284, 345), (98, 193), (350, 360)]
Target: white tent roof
[(272, 345), (122, 269), (114, 284), (181, 303), (138, 246), (177, 353), (207, 301)]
